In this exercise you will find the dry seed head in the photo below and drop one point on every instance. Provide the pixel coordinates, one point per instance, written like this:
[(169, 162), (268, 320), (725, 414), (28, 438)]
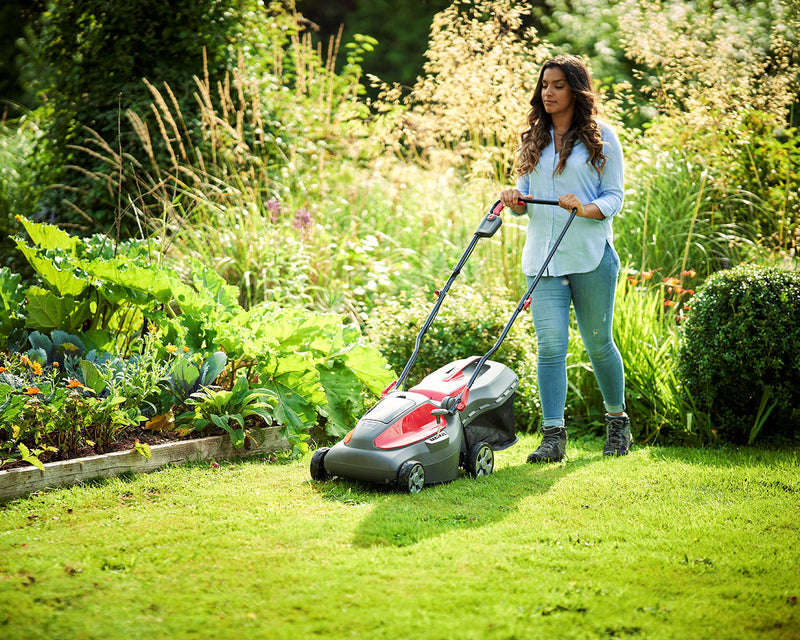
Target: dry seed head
[(711, 66), (478, 79)]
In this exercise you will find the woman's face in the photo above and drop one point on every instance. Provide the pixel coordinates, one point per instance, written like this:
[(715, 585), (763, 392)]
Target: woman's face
[(557, 97)]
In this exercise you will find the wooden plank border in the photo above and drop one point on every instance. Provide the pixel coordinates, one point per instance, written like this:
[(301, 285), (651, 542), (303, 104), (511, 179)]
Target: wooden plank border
[(16, 483)]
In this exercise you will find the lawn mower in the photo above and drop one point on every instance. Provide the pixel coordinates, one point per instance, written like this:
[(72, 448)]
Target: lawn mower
[(455, 417)]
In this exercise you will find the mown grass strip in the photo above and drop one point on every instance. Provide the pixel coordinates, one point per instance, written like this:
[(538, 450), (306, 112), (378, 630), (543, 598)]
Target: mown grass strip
[(664, 543)]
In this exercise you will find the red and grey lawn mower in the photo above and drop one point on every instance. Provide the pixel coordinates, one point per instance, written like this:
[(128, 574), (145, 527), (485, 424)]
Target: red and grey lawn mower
[(456, 417)]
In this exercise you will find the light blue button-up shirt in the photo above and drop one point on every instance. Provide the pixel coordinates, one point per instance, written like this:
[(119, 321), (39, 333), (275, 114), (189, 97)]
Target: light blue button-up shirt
[(584, 244)]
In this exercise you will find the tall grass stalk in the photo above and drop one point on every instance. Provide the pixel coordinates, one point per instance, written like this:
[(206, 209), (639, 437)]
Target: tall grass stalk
[(672, 222), (647, 335), (693, 222)]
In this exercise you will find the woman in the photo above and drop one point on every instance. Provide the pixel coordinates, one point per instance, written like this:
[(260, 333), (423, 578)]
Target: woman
[(568, 155)]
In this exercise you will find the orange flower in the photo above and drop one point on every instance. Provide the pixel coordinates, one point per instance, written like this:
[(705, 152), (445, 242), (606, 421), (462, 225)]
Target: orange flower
[(55, 365), (691, 273), (646, 275), (186, 349), (73, 384), (2, 369), (32, 391), (171, 349), (669, 303), (37, 368)]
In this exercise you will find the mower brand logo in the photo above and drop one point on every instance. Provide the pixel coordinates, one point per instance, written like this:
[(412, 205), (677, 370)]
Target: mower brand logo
[(442, 435)]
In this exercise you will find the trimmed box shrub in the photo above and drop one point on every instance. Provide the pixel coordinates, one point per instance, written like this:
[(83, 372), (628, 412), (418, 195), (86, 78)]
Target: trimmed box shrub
[(739, 357)]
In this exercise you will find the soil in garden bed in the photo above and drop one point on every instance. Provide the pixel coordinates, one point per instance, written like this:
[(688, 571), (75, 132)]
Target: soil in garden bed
[(124, 441)]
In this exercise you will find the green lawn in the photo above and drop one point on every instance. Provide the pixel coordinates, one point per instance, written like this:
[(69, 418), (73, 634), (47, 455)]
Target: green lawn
[(665, 543)]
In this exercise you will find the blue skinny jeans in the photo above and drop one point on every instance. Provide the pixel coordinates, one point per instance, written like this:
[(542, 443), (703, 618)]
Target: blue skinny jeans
[(592, 296)]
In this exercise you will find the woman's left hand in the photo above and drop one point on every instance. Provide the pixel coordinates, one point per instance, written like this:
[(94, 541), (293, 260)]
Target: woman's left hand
[(569, 202)]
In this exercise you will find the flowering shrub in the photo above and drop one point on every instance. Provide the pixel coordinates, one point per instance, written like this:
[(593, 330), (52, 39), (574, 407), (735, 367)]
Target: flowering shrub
[(676, 295)]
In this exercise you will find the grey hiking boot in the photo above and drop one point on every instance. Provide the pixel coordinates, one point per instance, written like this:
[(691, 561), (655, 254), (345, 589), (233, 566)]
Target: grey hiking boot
[(553, 447), (618, 435)]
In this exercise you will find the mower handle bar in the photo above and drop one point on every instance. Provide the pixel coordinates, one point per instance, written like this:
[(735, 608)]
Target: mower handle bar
[(489, 224), (520, 306), (498, 206)]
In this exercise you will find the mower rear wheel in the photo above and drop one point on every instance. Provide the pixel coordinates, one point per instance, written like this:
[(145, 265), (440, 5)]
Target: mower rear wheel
[(318, 471), (411, 477), (480, 460)]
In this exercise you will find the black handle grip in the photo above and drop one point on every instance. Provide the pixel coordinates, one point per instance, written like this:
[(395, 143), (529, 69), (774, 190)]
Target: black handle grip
[(536, 201)]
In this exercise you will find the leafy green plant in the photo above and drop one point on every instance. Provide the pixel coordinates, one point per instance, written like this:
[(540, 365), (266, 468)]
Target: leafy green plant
[(235, 411), (55, 348), (134, 314), (739, 354), (12, 298), (320, 369), (187, 378)]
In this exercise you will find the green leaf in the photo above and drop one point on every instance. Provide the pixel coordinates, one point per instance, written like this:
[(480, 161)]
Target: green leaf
[(27, 456), (370, 367), (241, 387), (48, 236), (134, 283), (237, 419), (185, 374), (291, 408), (92, 377), (221, 422), (47, 311), (343, 393), (258, 411), (40, 341), (144, 449), (62, 281), (212, 367)]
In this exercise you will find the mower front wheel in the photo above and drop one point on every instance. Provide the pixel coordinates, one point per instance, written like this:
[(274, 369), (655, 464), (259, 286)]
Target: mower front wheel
[(480, 460), (411, 477), (318, 471)]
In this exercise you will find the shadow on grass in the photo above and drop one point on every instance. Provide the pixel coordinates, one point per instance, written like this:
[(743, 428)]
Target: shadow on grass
[(399, 520)]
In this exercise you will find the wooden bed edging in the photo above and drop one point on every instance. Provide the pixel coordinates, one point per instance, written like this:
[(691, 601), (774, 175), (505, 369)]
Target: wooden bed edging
[(16, 483)]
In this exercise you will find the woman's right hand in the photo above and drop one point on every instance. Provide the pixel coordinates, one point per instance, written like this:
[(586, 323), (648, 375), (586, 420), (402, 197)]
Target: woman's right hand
[(511, 198)]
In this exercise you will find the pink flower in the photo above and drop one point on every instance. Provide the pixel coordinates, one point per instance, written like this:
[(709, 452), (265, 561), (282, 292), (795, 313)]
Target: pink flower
[(274, 207), (302, 219)]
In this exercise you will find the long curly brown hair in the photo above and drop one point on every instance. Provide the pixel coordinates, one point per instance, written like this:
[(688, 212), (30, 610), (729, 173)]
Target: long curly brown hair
[(584, 126)]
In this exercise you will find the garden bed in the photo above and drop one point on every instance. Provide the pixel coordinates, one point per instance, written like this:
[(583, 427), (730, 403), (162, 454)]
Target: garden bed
[(22, 481)]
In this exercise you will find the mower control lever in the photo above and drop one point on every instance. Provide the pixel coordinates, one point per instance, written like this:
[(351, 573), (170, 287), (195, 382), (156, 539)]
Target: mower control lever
[(489, 225), (448, 407)]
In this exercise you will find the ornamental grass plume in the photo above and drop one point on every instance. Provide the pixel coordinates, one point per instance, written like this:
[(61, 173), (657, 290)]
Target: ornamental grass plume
[(709, 63), (473, 97), (724, 77)]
